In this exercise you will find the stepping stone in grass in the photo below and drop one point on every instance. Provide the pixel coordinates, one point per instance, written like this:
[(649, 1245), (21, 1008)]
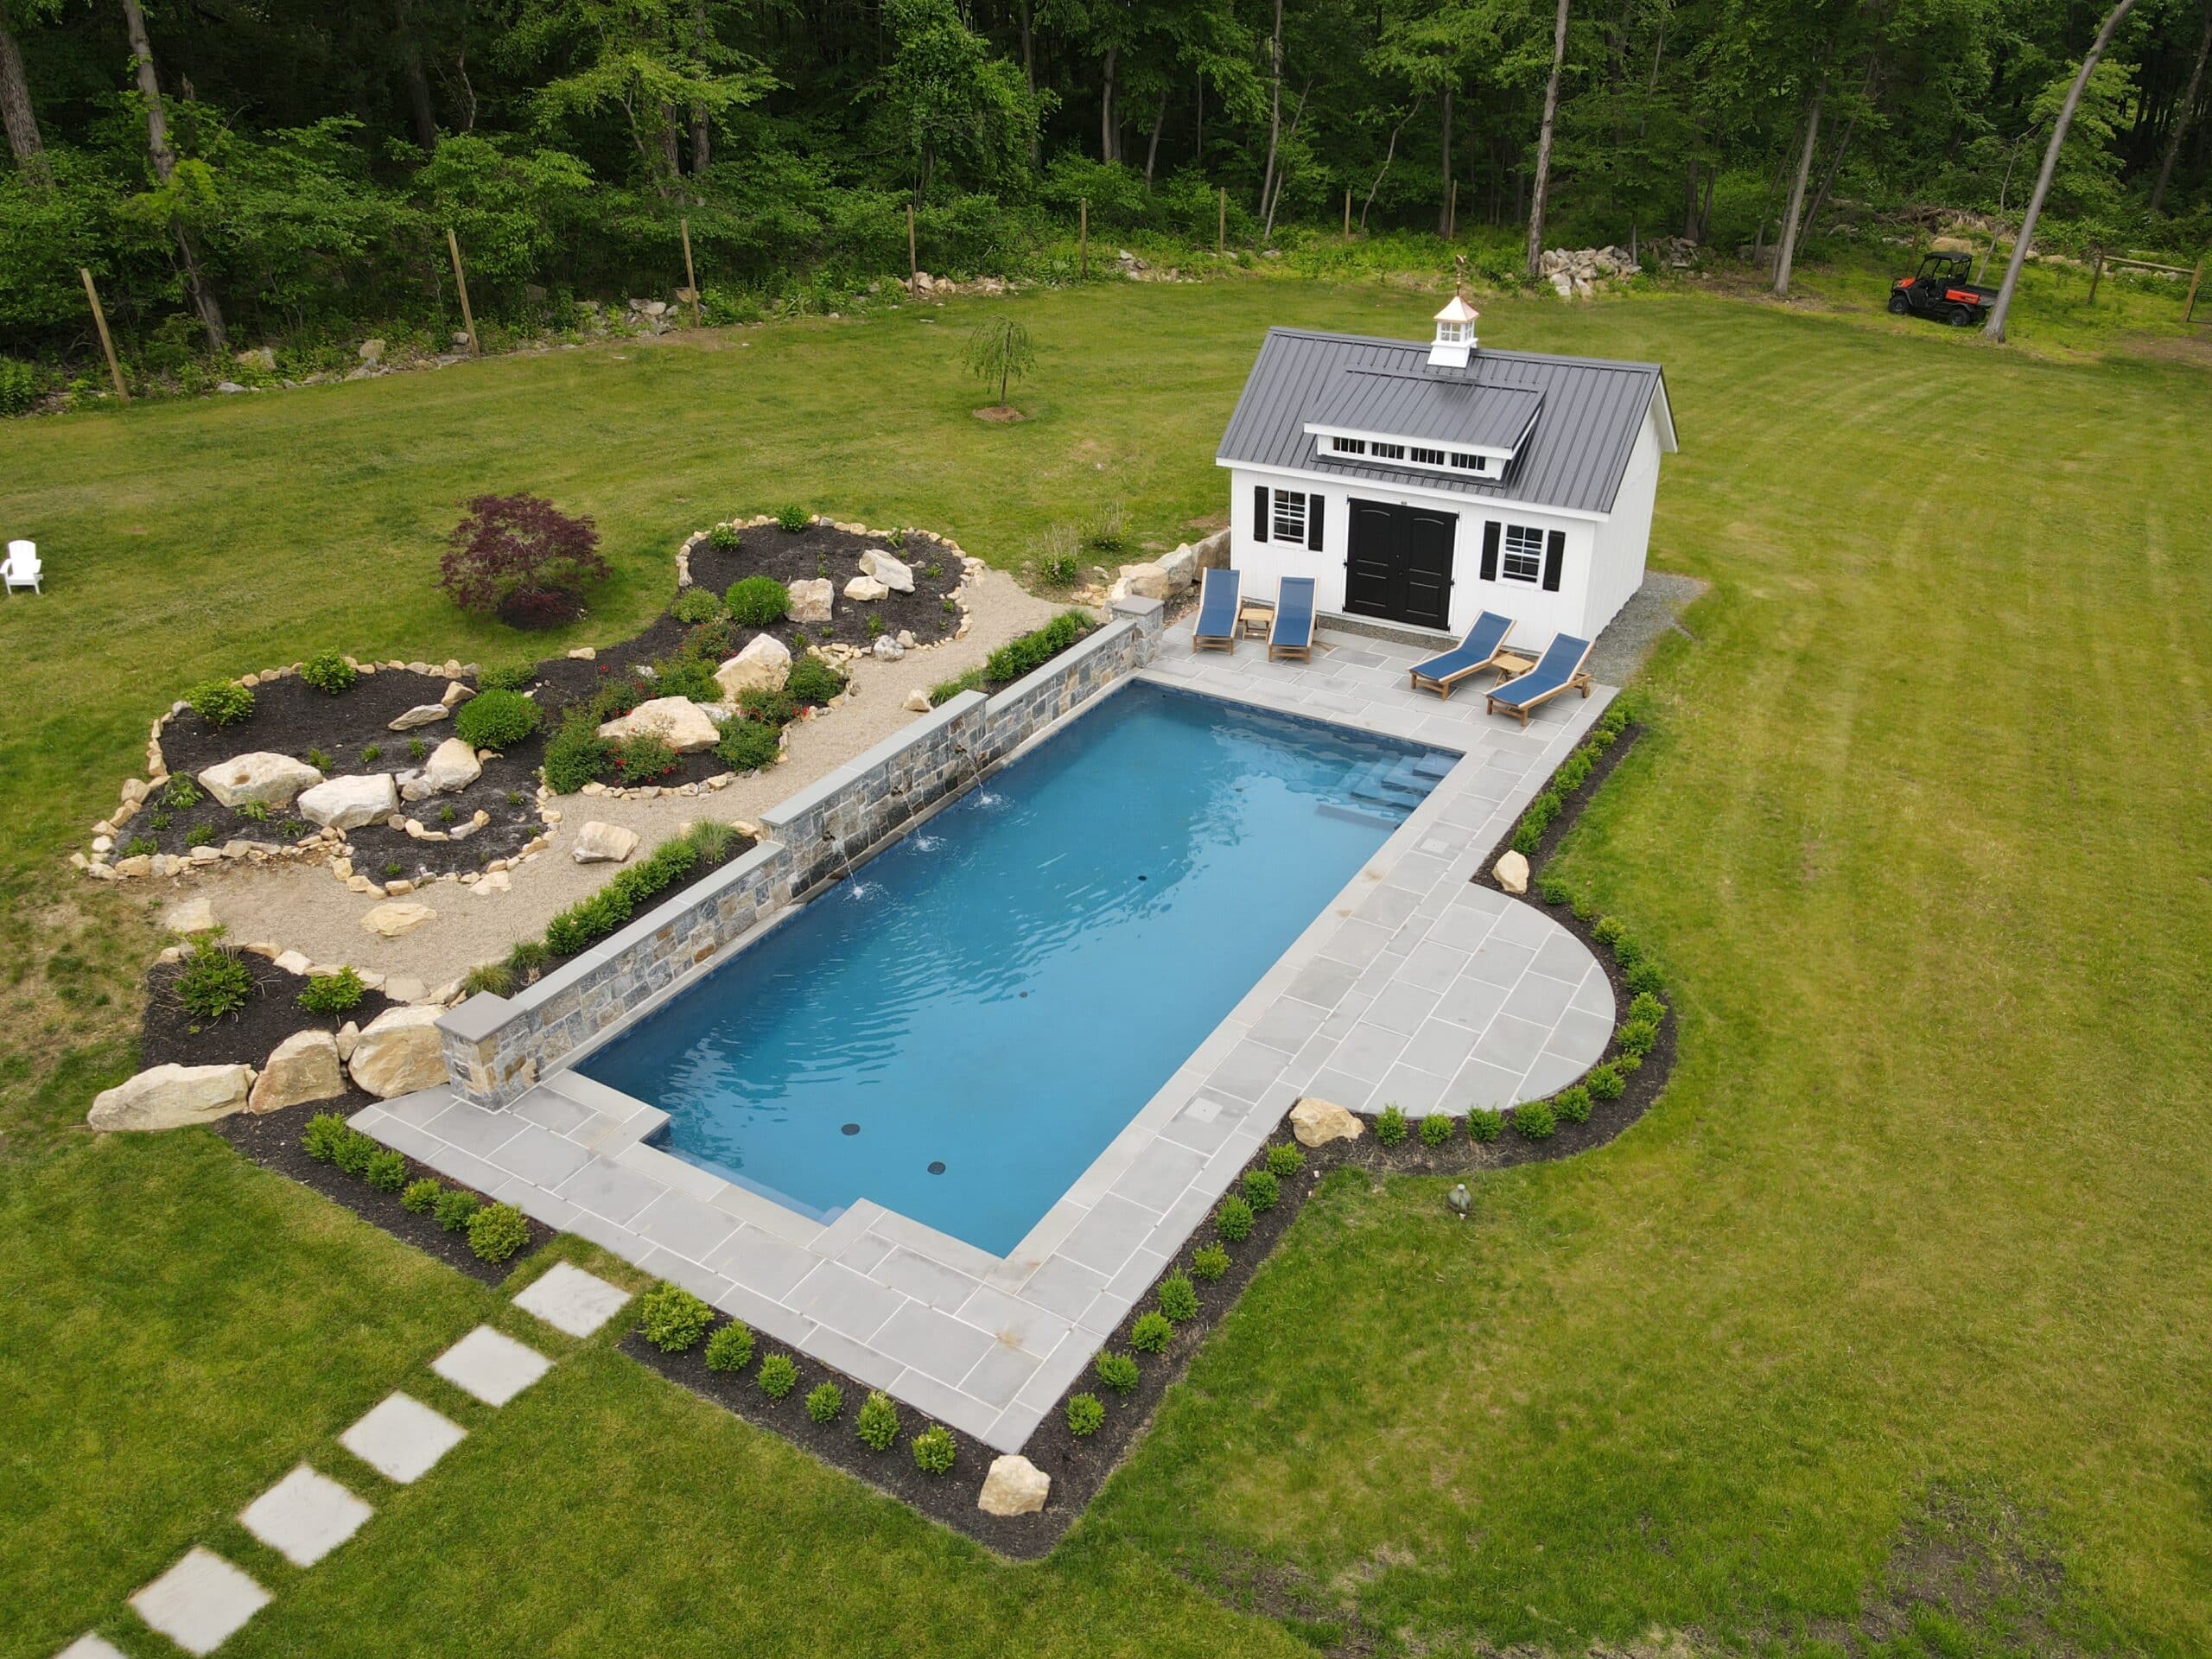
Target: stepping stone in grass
[(304, 1516), (492, 1367), (401, 1438), (200, 1602), (90, 1646), (568, 1299)]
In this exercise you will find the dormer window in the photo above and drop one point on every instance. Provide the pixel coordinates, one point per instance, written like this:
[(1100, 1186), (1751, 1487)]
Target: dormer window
[(1344, 446)]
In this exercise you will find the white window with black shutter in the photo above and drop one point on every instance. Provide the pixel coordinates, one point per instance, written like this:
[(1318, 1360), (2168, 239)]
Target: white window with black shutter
[(1289, 516), (1523, 553)]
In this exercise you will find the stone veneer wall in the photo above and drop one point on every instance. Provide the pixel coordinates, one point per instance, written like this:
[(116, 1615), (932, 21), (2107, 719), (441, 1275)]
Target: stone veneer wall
[(496, 1046)]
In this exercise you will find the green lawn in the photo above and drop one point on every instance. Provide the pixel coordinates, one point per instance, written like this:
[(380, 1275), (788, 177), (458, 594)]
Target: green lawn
[(1918, 1230)]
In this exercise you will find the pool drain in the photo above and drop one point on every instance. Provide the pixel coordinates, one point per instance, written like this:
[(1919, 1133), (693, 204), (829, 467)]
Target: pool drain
[(938, 1168), (852, 1128)]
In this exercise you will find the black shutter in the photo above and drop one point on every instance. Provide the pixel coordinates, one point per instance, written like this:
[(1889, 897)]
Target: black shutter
[(1490, 550), (1259, 512), (1554, 556), (1316, 508)]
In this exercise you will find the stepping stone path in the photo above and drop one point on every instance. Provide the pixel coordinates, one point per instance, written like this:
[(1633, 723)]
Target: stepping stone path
[(202, 1601), (304, 1516), (401, 1438), (490, 1366)]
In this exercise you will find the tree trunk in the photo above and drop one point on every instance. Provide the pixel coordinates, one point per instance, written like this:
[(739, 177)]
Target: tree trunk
[(702, 136), (1995, 327), (1152, 150), (1275, 108), (1786, 245), (17, 115), (1544, 144), (1268, 232), (2157, 190), (1387, 156), (671, 163), (1029, 73), (421, 114), (1109, 149), (204, 303), (1444, 196)]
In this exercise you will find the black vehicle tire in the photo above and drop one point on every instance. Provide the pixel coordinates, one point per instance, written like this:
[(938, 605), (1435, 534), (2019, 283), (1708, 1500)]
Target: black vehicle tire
[(1961, 316), (1900, 306)]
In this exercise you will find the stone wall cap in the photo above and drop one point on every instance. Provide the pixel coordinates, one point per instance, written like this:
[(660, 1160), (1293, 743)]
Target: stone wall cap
[(1135, 606), (478, 1018)]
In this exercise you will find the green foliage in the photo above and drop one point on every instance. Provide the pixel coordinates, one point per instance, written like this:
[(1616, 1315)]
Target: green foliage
[(1261, 1189), (1645, 979), (201, 835), (813, 681), (253, 811), (1482, 1126), (353, 1153), (695, 605), (1608, 931), (1086, 1415), (748, 744), (331, 993), (1538, 818), (945, 690), (1572, 1104), (1535, 1120), (180, 793), (1032, 651), (323, 1136), (420, 1197), (823, 1402), (1208, 1262), (1285, 1159), (877, 1423), (1646, 1009), (516, 677), (19, 385), (328, 673), (488, 979), (730, 1348), (759, 601), (454, 1207), (1638, 1037), (769, 708), (778, 1376), (589, 920), (386, 1170), (999, 352), (794, 518), (1232, 1219), (495, 719), (1605, 1082), (1118, 1371), (672, 1318), (1435, 1128), (934, 1450), (643, 759), (575, 755), (725, 538), (1391, 1125), (496, 1231), (1178, 1298), (1553, 889), (221, 702), (1150, 1333), (214, 981)]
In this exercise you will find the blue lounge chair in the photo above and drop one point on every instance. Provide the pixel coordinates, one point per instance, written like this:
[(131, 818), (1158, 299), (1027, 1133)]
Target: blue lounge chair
[(1217, 623), (1477, 652), (1292, 632), (1557, 670)]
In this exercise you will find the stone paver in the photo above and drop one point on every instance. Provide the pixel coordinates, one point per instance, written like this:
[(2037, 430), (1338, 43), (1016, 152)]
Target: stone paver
[(1415, 986), (490, 1366), (571, 1301), (402, 1439), (304, 1516), (201, 1602), (92, 1645)]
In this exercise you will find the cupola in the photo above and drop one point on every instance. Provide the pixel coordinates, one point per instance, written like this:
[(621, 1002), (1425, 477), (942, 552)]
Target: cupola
[(1455, 335)]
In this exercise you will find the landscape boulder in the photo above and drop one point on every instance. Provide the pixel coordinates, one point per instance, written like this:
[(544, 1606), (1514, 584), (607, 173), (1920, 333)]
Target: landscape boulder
[(865, 590), (1512, 871), (389, 921), (1140, 582), (604, 843), (304, 1067), (422, 714), (763, 665), (193, 916), (399, 1051), (812, 598), (1316, 1123), (1180, 568), (887, 650), (918, 701), (1014, 1486), (677, 721), (271, 779), (452, 765), (350, 802), (170, 1097), (894, 574)]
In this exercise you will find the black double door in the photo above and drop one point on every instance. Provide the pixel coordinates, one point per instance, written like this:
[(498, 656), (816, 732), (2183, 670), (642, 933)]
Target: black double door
[(1400, 563)]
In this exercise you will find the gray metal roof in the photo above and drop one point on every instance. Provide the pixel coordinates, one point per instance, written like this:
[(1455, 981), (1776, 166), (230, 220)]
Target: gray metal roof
[(1446, 407), (1574, 456)]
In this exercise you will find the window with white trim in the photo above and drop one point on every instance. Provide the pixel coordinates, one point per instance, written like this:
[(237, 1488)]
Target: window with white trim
[(1467, 463), (1388, 451), (1428, 457), (1348, 446), (1287, 520), (1521, 554)]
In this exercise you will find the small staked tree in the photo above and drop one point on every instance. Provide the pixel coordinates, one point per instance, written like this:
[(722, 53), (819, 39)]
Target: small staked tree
[(519, 553), (1000, 351)]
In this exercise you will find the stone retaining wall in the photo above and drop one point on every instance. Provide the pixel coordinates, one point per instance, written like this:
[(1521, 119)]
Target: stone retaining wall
[(496, 1047)]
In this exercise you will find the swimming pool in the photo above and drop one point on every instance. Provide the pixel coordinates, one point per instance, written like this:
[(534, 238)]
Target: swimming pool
[(958, 1032)]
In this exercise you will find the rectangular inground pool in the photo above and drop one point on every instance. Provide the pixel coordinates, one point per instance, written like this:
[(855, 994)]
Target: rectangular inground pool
[(959, 1031)]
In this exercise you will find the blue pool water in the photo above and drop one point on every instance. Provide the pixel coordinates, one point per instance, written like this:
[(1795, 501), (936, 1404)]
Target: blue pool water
[(998, 993)]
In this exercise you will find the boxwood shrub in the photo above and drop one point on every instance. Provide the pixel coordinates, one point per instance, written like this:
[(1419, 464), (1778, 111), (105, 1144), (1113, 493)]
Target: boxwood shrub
[(1118, 1371), (1637, 1038), (1261, 1189), (730, 1348), (386, 1170), (758, 601), (1483, 1126), (823, 1402), (1535, 1120), (1605, 1082), (1233, 1220), (1645, 979), (1178, 1298), (221, 702), (1646, 1009), (1150, 1334), (496, 1231), (420, 1197), (454, 1207), (778, 1376), (1435, 1128), (813, 681), (1208, 1262), (1086, 1415), (1031, 651), (672, 1318), (1390, 1126), (332, 993), (1572, 1104), (324, 1133), (934, 1450), (1285, 1159), (877, 1425), (328, 673), (696, 605)]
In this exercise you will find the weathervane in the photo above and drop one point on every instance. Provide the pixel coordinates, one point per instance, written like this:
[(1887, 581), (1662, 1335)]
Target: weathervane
[(1459, 274)]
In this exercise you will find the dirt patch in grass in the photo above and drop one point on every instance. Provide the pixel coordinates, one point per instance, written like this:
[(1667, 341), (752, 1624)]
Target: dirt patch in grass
[(930, 612), (999, 415), (169, 1031)]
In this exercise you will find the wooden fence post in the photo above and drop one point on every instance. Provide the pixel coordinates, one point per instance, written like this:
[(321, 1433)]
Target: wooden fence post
[(2096, 271), (1452, 213), (1347, 212), (2188, 311), (1083, 237), (107, 345), (913, 260), (460, 285), (1221, 225), (691, 276)]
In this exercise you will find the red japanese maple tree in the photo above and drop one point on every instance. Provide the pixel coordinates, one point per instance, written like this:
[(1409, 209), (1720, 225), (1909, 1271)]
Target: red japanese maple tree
[(518, 552)]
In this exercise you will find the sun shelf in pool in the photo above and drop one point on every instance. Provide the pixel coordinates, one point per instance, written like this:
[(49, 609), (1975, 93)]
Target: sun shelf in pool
[(960, 1031)]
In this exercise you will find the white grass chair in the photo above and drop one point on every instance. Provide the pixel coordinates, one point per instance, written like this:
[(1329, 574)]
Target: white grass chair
[(21, 568)]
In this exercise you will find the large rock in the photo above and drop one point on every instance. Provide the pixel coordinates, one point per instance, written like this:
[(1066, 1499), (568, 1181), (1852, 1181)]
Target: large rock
[(348, 803), (604, 843), (918, 702), (812, 598), (894, 574), (1140, 582), (389, 921), (272, 779), (169, 1097), (452, 765), (422, 714), (677, 721), (887, 649), (399, 1051), (865, 590), (1316, 1123), (193, 916), (1512, 871), (763, 665), (1014, 1486), (304, 1067), (1180, 567)]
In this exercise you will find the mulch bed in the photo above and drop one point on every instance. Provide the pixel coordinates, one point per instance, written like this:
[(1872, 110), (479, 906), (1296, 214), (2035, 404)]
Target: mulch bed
[(168, 1032), (507, 790), (821, 550)]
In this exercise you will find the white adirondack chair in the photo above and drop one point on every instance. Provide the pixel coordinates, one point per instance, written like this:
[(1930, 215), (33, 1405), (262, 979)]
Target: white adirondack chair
[(21, 569)]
